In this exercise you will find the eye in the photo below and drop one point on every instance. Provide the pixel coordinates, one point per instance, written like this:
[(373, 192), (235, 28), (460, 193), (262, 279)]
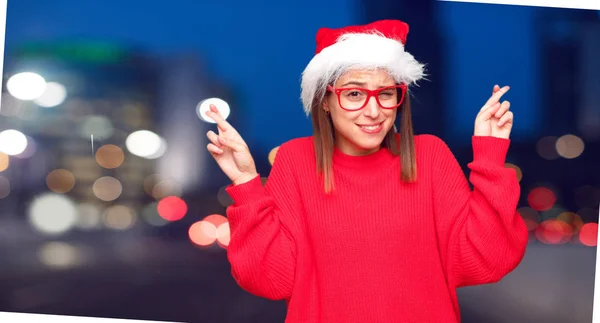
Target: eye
[(354, 95), (387, 94)]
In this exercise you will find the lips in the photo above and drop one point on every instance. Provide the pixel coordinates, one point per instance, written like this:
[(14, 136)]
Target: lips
[(371, 128)]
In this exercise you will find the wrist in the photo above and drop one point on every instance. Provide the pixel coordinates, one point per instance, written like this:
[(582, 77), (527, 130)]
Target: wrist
[(244, 178)]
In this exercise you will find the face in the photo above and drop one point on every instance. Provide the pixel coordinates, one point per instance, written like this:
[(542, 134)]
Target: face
[(361, 132)]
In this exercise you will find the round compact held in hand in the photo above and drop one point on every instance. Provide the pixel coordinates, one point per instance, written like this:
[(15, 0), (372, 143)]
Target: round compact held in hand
[(204, 106)]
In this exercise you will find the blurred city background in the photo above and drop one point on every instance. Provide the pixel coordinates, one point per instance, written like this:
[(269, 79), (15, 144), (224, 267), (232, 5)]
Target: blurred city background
[(110, 205)]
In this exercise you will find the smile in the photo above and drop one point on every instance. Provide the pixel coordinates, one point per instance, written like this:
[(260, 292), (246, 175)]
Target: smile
[(371, 128)]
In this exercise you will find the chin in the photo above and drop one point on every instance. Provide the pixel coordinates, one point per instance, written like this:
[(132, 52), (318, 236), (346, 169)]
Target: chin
[(369, 144)]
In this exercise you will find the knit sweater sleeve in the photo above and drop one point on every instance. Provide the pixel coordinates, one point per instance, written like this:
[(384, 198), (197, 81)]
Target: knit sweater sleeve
[(262, 248), (481, 234)]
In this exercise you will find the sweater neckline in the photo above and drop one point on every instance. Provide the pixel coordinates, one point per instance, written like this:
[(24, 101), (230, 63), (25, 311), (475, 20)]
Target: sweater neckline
[(377, 159)]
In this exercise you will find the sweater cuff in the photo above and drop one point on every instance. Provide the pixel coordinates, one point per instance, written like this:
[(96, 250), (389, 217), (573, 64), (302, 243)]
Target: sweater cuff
[(248, 192), (490, 149)]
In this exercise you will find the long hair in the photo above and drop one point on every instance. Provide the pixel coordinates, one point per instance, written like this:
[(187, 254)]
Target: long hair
[(324, 141)]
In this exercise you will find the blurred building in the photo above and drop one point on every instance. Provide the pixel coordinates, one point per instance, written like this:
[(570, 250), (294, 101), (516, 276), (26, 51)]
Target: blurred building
[(79, 130)]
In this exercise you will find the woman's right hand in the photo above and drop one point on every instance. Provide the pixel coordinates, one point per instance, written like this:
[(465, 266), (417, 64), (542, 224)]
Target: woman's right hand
[(230, 151)]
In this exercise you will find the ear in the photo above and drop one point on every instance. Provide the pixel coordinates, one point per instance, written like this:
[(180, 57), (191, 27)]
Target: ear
[(325, 105)]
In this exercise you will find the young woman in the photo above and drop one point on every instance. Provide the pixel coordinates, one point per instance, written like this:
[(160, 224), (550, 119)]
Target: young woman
[(359, 223)]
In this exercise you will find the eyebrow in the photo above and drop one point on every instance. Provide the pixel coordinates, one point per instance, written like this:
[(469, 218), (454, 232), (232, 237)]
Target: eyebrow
[(361, 84)]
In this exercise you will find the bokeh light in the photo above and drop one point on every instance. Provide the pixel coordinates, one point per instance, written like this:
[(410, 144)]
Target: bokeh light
[(110, 156), (26, 86), (164, 188), (89, 216), (119, 217), (52, 213), (572, 219), (517, 169), (569, 146), (588, 235), (29, 150), (60, 181), (204, 106), (530, 216), (215, 219), (546, 147), (202, 233), (541, 198), (223, 235), (553, 231), (4, 162), (151, 216), (53, 95), (172, 208), (98, 126), (273, 154), (107, 188), (145, 144), (59, 255), (224, 198), (12, 142)]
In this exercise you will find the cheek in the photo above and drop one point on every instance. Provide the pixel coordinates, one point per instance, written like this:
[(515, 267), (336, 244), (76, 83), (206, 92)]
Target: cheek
[(391, 115), (343, 121)]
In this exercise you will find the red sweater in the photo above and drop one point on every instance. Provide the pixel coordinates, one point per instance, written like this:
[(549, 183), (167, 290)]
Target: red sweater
[(377, 249)]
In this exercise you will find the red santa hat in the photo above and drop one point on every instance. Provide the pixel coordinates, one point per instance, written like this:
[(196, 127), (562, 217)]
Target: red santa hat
[(376, 45)]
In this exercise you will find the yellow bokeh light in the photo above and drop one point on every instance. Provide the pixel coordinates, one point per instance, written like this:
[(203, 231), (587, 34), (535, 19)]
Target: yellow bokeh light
[(272, 155), (572, 219)]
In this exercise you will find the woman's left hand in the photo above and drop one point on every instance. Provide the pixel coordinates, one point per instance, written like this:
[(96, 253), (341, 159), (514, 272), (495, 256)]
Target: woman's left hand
[(494, 119)]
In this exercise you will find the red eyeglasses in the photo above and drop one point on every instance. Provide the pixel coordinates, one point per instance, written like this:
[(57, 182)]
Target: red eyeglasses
[(355, 98)]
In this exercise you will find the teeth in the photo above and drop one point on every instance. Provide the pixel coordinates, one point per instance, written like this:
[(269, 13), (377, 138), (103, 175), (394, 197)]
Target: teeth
[(370, 128)]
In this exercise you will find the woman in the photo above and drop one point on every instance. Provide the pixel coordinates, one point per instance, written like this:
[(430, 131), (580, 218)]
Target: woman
[(358, 223)]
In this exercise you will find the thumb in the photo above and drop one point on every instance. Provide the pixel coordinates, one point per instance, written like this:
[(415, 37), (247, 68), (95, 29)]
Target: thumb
[(489, 112)]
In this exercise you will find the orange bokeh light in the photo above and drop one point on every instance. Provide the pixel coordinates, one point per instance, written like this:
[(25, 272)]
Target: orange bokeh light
[(588, 235), (215, 219), (223, 235), (554, 232), (203, 233)]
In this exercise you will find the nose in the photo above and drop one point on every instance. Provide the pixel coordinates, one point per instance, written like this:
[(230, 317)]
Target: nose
[(372, 109)]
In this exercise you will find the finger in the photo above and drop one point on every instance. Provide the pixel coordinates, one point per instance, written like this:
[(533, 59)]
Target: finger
[(496, 88), (496, 97), (503, 108), (506, 119), (215, 115), (488, 113), (214, 138), (231, 144), (214, 150)]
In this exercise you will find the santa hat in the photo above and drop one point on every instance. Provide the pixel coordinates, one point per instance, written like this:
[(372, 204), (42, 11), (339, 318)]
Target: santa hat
[(376, 45)]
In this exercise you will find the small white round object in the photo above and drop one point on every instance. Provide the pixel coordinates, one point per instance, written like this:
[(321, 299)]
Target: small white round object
[(204, 106)]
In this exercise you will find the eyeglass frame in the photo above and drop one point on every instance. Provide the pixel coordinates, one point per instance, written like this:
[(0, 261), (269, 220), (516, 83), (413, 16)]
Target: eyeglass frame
[(403, 87)]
